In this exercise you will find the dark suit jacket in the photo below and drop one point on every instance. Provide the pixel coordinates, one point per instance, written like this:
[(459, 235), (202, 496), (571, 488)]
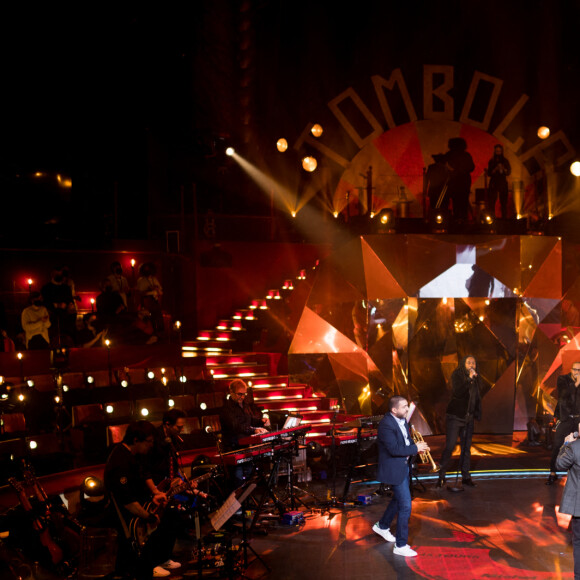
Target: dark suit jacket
[(569, 458), (393, 453)]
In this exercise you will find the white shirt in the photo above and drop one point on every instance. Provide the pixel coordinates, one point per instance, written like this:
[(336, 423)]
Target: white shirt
[(402, 426)]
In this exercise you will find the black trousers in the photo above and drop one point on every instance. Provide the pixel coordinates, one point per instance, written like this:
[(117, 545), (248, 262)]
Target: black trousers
[(464, 430), (156, 550)]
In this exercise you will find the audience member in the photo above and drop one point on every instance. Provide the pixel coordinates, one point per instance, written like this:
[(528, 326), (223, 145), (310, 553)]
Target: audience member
[(151, 291), (58, 299), (35, 321), (119, 283), (87, 334)]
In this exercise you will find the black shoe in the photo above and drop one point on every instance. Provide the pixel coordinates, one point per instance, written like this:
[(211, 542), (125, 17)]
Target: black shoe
[(469, 482), (440, 482), (552, 478)]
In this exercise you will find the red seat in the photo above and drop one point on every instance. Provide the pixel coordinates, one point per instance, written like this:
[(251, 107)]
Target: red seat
[(13, 423), (185, 403), (86, 414)]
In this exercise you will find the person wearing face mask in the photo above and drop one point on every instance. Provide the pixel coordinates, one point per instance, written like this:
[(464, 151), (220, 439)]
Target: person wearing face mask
[(35, 322), (58, 299), (118, 282), (463, 409)]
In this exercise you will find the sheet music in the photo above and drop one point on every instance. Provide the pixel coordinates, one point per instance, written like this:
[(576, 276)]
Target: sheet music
[(229, 507)]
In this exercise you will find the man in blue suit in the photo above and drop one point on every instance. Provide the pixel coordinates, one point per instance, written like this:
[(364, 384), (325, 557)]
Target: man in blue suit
[(396, 448)]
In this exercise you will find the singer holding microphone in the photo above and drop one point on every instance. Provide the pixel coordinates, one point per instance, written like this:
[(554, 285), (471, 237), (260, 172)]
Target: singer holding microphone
[(462, 410), (566, 413)]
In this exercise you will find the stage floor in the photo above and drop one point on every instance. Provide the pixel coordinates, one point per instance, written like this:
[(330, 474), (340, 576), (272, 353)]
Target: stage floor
[(507, 527)]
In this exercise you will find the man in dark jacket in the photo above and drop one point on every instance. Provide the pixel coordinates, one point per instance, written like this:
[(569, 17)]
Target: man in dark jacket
[(567, 413), (498, 170), (464, 407), (240, 417), (569, 459), (396, 447)]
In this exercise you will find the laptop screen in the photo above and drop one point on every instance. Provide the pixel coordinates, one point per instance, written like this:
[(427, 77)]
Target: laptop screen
[(292, 421)]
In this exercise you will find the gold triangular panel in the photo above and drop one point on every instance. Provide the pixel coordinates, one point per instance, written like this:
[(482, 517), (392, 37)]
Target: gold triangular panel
[(315, 335)]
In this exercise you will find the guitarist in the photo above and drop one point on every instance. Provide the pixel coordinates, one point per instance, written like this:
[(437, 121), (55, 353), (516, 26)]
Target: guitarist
[(164, 469), (129, 489)]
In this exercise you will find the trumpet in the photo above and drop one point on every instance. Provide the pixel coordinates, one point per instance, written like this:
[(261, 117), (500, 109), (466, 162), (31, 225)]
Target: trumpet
[(425, 456)]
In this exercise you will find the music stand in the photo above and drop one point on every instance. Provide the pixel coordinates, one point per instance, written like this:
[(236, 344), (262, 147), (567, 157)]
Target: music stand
[(236, 501)]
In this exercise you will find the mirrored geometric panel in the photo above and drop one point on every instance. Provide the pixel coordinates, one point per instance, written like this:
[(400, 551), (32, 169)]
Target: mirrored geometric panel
[(393, 314)]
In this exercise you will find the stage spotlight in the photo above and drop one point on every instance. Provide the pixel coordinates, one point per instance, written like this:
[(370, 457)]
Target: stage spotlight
[(385, 224), (32, 444), (144, 411), (293, 213), (309, 164), (203, 406), (575, 169), (150, 375), (316, 130), (183, 379), (543, 132), (171, 403), (439, 221), (89, 380), (124, 383), (30, 383), (92, 487), (282, 145), (230, 151)]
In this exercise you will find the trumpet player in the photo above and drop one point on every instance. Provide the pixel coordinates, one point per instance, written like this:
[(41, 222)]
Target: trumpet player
[(396, 447)]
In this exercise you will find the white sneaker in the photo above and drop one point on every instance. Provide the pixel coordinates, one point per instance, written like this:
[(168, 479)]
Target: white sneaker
[(406, 551), (159, 572), (385, 534), (171, 565)]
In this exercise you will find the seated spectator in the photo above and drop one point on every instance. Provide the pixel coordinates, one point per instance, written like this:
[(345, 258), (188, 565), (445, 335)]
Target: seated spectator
[(35, 322), (87, 334), (141, 330)]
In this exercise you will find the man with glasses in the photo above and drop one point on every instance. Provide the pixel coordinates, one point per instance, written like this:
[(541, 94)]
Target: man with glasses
[(567, 413), (240, 417)]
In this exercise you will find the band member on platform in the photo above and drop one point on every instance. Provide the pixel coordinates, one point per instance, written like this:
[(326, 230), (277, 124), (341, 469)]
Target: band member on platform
[(129, 490), (240, 417), (569, 459), (396, 448), (567, 413), (498, 170), (464, 407)]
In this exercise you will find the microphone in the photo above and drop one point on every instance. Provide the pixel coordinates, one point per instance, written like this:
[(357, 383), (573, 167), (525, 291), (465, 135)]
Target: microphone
[(575, 434)]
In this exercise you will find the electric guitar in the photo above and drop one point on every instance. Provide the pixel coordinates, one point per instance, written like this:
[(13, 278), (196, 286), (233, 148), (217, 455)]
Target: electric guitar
[(39, 523), (140, 529)]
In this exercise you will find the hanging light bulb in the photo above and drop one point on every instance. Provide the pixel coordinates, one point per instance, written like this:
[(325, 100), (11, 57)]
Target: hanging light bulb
[(316, 130), (309, 164)]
